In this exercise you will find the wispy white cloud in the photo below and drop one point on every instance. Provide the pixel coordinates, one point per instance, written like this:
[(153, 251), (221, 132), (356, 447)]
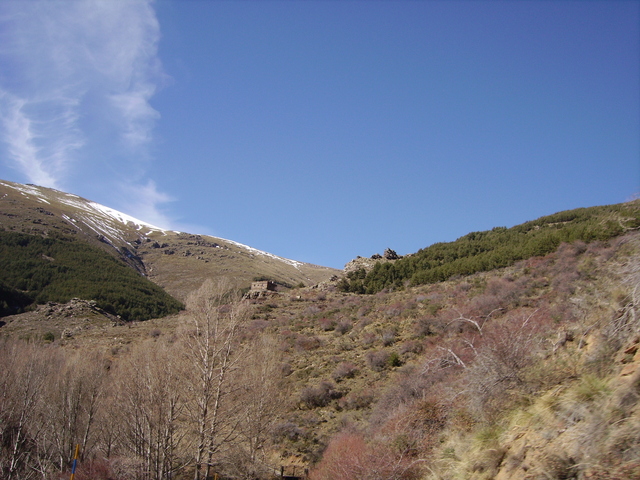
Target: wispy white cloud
[(18, 133), (137, 114), (40, 134), (75, 84), (145, 201)]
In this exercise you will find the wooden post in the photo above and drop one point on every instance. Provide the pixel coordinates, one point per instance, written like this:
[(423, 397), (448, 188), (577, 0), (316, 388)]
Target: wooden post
[(75, 461)]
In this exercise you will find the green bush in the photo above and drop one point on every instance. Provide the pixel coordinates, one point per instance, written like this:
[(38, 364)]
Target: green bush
[(496, 248), (394, 360)]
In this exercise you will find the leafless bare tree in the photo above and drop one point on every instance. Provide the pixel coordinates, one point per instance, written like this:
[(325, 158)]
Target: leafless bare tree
[(215, 317), (71, 401), (150, 401), (260, 399), (501, 362), (22, 380)]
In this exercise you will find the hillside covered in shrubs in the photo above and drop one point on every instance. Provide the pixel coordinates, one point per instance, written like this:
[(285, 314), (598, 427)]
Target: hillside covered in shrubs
[(531, 370), (496, 248)]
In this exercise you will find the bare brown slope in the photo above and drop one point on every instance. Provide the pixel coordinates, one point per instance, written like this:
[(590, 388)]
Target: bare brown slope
[(179, 262)]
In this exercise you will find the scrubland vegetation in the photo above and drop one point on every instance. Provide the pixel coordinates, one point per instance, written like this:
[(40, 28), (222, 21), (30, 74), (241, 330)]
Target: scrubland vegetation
[(497, 248), (526, 371)]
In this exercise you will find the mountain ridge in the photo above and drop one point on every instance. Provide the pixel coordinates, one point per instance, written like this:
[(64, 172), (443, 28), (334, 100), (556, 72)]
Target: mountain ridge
[(177, 261)]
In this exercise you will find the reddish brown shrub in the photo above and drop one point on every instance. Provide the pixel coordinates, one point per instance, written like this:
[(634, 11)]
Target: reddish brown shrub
[(344, 326), (312, 310), (287, 430), (327, 324), (94, 469), (394, 310), (483, 305), (504, 352), (115, 468), (424, 327), (377, 360), (356, 400), (306, 343), (389, 337), (344, 370), (368, 339), (348, 456), (414, 427), (320, 395), (254, 328), (411, 346)]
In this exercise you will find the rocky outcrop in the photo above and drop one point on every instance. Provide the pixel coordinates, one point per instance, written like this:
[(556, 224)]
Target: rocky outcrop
[(361, 262), (368, 263), (53, 321)]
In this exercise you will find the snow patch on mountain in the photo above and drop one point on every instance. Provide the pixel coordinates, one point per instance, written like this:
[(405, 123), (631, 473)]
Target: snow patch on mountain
[(255, 251), (100, 218), (98, 211), (124, 218), (27, 190)]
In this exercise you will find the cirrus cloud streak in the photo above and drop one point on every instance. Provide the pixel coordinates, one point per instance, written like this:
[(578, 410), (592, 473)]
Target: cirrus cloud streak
[(75, 87)]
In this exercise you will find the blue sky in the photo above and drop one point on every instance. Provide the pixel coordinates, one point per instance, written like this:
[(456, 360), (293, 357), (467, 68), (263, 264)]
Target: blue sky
[(323, 130)]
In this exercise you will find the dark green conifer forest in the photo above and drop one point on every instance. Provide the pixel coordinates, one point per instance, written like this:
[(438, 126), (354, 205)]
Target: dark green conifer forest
[(35, 270)]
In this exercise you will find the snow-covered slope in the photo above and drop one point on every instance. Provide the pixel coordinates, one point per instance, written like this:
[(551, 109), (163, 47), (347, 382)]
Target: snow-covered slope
[(99, 218)]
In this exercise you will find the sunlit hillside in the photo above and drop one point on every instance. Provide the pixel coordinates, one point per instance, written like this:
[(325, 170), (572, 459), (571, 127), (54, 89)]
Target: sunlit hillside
[(530, 370)]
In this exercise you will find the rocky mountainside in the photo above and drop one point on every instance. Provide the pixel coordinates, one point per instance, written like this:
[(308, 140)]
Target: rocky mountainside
[(176, 261), (528, 371)]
